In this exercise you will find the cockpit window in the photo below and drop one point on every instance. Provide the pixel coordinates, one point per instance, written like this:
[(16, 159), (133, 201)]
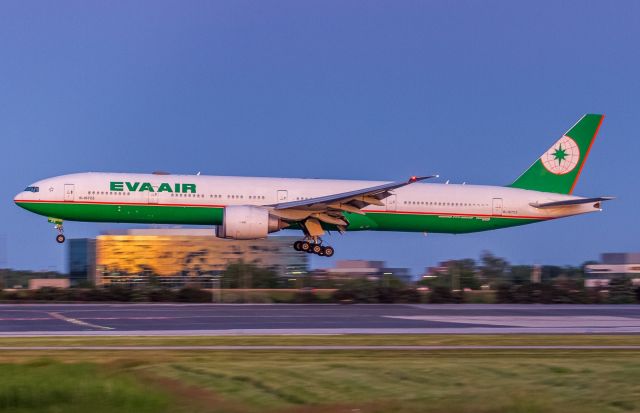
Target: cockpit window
[(32, 189)]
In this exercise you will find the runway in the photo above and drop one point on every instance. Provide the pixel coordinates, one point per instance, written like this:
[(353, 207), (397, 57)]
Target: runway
[(24, 320)]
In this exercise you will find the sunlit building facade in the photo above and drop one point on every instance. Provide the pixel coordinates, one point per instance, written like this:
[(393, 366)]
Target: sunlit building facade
[(177, 257)]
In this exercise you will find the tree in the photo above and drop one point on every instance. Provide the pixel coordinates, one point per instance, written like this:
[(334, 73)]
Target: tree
[(441, 294), (465, 272), (457, 275), (521, 274), (621, 291), (193, 295), (356, 291), (493, 269), (242, 275), (505, 293)]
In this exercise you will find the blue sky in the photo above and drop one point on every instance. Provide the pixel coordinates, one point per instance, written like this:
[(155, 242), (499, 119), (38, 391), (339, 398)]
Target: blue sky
[(474, 91)]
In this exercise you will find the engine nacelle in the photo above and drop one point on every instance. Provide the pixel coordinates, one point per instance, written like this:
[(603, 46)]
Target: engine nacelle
[(247, 222)]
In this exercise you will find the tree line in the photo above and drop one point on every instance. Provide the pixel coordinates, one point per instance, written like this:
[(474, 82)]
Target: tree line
[(490, 280)]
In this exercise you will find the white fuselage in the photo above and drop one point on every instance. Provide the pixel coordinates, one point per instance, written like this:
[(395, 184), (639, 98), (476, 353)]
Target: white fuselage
[(67, 196)]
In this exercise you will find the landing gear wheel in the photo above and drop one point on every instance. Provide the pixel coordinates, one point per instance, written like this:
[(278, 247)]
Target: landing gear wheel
[(316, 249), (297, 245), (328, 251), (58, 226), (305, 246)]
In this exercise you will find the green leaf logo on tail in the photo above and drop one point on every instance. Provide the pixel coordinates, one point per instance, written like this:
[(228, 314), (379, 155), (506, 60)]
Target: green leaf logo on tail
[(558, 169), (562, 157)]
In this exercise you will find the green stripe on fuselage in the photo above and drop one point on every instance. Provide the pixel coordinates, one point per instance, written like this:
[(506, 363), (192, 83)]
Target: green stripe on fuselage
[(205, 215), (143, 214)]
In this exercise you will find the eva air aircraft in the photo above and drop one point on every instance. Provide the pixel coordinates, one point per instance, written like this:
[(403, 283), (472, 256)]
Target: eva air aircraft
[(251, 208)]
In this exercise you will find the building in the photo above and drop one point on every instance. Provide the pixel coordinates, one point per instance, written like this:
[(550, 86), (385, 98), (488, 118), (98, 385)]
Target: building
[(372, 270), (611, 265), (175, 257), (38, 283), (81, 255)]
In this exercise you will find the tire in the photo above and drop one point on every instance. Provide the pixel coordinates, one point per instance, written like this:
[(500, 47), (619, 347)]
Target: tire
[(316, 249), (329, 251), (297, 245), (60, 238), (305, 246)]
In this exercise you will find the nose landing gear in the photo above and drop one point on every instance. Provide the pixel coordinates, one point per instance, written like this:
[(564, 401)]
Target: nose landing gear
[(58, 226)]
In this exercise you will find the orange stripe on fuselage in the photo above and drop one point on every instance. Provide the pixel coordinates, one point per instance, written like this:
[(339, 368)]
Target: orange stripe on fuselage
[(593, 139)]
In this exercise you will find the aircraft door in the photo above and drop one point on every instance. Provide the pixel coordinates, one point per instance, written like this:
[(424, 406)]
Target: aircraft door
[(153, 198), (283, 196), (497, 206), (69, 192), (391, 202)]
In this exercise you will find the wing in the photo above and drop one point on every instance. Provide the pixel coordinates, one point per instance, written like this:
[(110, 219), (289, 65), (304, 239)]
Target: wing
[(570, 202), (330, 208)]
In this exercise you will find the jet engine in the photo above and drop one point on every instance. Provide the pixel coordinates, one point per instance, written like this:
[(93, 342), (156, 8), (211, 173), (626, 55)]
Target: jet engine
[(248, 222)]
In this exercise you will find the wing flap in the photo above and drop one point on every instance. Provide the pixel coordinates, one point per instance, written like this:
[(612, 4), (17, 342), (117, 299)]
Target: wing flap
[(365, 196)]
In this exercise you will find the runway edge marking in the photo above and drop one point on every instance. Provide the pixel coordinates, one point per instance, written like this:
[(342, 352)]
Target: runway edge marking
[(78, 322)]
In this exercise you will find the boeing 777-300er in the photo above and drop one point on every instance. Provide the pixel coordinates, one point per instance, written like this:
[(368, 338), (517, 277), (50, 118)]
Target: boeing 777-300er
[(250, 208)]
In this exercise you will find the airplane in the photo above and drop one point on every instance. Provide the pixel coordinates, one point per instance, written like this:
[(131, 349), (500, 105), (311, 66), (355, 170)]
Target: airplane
[(252, 207)]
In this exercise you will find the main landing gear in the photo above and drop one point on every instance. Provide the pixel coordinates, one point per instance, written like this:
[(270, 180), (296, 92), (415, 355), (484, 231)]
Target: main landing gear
[(312, 243), (314, 247)]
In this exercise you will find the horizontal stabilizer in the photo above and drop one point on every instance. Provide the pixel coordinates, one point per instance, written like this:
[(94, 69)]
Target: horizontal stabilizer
[(570, 202)]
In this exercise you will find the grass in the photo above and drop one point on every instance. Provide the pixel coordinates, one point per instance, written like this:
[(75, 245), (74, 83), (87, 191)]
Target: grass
[(51, 386), (355, 339), (518, 381), (379, 382)]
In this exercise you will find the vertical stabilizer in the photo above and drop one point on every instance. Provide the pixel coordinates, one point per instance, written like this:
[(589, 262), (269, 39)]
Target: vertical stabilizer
[(558, 169)]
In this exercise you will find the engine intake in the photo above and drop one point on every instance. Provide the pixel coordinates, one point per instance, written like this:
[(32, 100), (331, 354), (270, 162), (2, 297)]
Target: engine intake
[(248, 222)]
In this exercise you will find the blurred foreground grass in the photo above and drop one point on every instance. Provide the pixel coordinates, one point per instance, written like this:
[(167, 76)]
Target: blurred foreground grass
[(347, 339), (45, 385), (473, 381)]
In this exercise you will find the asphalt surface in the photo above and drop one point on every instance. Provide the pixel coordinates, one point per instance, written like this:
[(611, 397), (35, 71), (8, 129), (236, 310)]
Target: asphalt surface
[(256, 319)]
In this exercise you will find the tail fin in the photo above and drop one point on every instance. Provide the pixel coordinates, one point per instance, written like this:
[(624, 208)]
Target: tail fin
[(558, 169)]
